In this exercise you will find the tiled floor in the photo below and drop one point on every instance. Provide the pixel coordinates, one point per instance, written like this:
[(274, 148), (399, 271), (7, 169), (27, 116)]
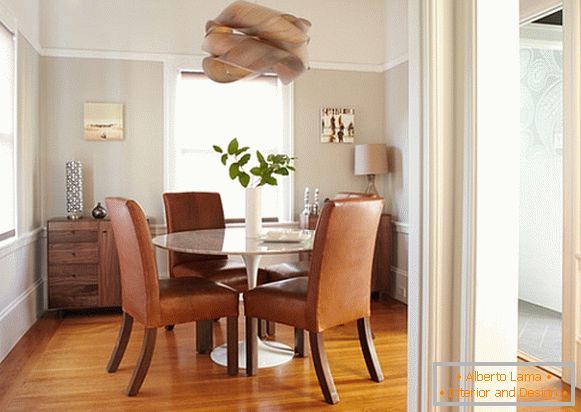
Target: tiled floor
[(539, 332)]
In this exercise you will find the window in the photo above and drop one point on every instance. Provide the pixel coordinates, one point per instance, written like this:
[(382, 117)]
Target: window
[(7, 140), (209, 113)]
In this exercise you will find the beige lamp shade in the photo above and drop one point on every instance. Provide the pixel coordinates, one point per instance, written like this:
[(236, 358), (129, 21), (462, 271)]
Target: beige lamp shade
[(371, 159)]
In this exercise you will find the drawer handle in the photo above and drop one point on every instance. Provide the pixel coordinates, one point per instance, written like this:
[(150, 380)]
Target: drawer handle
[(74, 253)]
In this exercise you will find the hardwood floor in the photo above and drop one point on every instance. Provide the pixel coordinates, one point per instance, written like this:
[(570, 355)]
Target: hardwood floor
[(60, 365)]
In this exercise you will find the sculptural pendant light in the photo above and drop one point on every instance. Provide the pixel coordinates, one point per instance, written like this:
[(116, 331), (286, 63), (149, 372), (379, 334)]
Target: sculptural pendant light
[(247, 40)]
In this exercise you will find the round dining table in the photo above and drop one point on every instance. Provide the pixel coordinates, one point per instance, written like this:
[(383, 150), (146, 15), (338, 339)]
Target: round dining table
[(233, 241)]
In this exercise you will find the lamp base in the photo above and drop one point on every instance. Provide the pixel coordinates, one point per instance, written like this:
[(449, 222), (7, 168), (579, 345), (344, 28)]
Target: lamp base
[(371, 185)]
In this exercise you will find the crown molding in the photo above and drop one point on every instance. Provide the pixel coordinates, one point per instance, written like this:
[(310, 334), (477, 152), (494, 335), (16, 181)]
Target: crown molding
[(197, 59), (393, 63)]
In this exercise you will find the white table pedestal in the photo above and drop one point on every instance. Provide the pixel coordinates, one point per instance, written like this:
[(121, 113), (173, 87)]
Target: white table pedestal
[(270, 353)]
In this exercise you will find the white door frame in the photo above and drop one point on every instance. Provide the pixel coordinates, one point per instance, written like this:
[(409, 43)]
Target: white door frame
[(571, 183), (428, 88), (438, 262), (571, 345)]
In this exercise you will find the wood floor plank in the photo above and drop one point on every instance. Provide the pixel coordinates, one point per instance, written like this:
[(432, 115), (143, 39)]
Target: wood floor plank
[(69, 371)]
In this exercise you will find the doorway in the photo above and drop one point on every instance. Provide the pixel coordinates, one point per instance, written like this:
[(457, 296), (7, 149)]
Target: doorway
[(541, 190)]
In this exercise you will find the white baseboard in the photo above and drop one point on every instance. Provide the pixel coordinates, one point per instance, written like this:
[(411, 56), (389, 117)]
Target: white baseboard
[(398, 284), (19, 316)]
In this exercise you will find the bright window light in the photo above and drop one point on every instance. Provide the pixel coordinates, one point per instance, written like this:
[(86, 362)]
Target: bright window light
[(210, 113), (7, 153)]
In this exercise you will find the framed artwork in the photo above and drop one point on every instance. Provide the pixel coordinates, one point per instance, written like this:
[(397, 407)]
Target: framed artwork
[(103, 121), (337, 125)]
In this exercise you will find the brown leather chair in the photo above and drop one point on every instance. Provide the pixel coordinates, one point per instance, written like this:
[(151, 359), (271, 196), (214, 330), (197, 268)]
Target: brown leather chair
[(196, 211), (289, 270), (154, 302), (337, 290)]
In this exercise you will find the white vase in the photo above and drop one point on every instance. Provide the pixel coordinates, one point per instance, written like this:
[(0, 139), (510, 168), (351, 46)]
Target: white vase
[(253, 211)]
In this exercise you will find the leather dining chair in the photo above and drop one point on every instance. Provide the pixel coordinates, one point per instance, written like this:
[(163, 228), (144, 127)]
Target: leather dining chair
[(197, 211), (336, 291), (289, 270), (155, 302)]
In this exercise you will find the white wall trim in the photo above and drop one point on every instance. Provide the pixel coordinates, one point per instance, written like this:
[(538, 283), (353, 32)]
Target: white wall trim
[(196, 59), (401, 227), (19, 299), (542, 36), (21, 241), (571, 180), (393, 63), (352, 67), (17, 318), (118, 55)]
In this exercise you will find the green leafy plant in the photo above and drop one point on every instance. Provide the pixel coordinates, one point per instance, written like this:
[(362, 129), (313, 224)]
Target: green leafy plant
[(237, 160)]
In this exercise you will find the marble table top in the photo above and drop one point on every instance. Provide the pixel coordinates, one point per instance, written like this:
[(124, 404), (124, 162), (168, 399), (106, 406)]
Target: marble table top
[(229, 241)]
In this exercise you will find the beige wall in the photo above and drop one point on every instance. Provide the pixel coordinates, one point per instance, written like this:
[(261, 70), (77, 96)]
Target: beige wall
[(27, 16), (330, 166), (396, 30), (343, 30), (29, 193), (396, 184), (133, 167), (396, 132)]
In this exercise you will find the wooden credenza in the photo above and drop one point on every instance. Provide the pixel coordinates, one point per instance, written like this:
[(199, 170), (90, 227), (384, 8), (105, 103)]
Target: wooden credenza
[(83, 267), (382, 257)]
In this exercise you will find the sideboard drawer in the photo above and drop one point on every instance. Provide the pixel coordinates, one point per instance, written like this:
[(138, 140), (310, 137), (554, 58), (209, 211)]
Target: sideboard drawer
[(74, 225), (73, 296), (73, 236), (73, 286), (69, 253)]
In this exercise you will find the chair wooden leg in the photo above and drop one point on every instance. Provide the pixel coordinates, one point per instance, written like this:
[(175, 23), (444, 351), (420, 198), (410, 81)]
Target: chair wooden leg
[(270, 328), (169, 328), (368, 349), (232, 344), (144, 361), (300, 350), (204, 336), (262, 329), (121, 345), (322, 367), (251, 349)]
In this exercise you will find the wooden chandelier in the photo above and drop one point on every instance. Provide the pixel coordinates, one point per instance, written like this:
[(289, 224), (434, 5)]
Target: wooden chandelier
[(247, 40)]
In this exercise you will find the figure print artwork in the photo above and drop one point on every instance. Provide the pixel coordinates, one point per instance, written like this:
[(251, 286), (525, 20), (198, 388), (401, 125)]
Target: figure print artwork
[(337, 125)]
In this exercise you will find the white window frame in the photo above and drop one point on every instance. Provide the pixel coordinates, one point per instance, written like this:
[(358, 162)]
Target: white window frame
[(172, 71), (8, 20)]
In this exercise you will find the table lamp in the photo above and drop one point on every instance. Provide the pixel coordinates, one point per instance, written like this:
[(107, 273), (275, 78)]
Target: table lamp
[(371, 160)]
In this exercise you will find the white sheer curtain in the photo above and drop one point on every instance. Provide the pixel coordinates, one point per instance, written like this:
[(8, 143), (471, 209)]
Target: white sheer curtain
[(7, 144), (210, 113)]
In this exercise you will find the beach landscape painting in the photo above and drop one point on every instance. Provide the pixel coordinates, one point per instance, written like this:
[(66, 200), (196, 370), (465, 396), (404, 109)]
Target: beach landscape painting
[(103, 121)]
